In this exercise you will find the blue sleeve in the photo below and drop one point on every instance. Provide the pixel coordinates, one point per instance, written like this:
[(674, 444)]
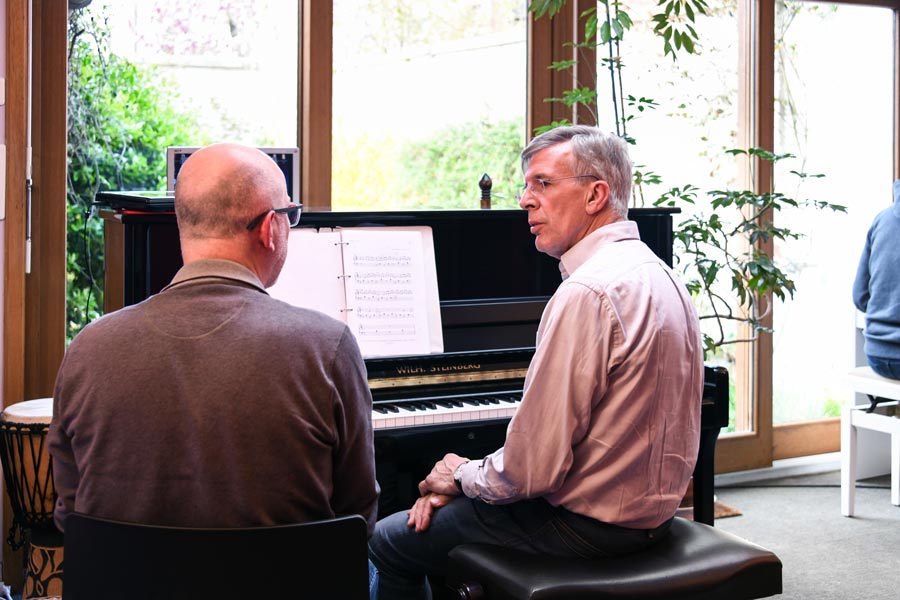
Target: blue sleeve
[(861, 282)]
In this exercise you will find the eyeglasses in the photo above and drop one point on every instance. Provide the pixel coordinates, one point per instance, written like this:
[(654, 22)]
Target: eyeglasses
[(291, 210), (539, 186)]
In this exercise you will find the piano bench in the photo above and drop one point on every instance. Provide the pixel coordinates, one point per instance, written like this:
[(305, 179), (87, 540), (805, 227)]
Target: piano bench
[(881, 414), (695, 561)]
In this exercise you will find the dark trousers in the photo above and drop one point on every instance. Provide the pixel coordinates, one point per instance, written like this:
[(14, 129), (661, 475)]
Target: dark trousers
[(405, 559)]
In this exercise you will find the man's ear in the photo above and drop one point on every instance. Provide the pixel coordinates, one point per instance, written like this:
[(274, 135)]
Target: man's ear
[(599, 197), (267, 232)]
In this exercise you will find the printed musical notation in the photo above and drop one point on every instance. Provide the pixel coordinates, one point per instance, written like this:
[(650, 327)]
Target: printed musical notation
[(382, 278), (386, 323), (388, 299), (382, 261), (380, 281), (376, 314), (386, 330), (378, 295)]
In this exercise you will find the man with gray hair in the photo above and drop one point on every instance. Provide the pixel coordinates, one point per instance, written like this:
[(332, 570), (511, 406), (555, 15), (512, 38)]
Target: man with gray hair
[(600, 452)]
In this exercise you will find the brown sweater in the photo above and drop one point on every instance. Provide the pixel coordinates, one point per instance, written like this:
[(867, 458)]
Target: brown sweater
[(212, 404)]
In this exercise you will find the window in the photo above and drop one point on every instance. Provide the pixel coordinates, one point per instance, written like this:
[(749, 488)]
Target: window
[(231, 65), (833, 110), (427, 97)]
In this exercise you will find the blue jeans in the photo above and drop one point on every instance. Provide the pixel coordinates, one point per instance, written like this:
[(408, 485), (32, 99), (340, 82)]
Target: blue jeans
[(373, 582), (885, 366), (405, 558)]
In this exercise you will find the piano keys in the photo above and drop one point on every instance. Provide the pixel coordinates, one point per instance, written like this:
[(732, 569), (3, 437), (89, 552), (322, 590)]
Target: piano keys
[(439, 410), (453, 387)]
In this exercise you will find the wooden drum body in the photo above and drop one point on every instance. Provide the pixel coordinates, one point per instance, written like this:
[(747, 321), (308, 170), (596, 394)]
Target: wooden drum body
[(28, 473)]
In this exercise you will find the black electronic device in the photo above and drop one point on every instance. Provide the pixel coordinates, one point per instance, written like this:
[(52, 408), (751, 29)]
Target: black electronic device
[(287, 159)]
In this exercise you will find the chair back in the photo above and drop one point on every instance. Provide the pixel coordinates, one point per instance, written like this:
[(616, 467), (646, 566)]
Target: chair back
[(109, 559)]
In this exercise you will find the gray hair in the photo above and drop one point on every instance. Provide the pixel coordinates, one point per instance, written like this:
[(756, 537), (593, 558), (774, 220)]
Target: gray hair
[(593, 153)]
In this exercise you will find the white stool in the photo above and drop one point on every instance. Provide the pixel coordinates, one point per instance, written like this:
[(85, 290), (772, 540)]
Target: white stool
[(863, 380)]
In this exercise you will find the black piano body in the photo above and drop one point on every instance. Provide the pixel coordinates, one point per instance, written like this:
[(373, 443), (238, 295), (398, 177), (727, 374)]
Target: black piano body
[(493, 286)]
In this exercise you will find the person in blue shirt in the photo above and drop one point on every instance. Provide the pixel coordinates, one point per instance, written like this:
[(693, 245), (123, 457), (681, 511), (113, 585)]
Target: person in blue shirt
[(876, 290)]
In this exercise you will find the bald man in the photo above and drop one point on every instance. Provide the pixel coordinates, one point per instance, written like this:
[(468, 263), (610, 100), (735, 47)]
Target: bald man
[(211, 404)]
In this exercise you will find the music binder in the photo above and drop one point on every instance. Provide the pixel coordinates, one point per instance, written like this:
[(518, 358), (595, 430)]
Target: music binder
[(380, 281)]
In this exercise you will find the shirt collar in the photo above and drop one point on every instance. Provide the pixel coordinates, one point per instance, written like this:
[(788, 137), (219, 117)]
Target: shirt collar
[(578, 254), (218, 269)]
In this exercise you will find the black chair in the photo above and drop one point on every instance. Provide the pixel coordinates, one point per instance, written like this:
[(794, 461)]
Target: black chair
[(112, 560), (694, 562)]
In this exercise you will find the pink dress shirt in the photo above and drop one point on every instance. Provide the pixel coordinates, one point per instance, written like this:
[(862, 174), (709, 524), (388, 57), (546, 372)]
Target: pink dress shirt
[(609, 423)]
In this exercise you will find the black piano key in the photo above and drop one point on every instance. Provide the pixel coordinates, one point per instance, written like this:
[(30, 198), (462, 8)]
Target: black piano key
[(381, 409)]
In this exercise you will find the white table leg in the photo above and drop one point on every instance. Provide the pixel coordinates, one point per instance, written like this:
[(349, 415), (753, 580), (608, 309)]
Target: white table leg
[(848, 462), (895, 469)]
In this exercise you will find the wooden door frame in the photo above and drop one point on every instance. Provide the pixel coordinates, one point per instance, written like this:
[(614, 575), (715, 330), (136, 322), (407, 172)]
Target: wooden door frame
[(34, 308)]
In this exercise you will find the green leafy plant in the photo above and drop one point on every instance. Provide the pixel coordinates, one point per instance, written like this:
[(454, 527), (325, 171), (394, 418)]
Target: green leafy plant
[(723, 245), (120, 121), (725, 270), (439, 171), (462, 153), (605, 30)]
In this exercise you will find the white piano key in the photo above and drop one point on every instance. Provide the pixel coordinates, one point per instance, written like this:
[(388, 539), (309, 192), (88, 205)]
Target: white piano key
[(442, 414)]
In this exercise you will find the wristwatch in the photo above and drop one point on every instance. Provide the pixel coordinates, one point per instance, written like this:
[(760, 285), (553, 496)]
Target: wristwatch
[(457, 476)]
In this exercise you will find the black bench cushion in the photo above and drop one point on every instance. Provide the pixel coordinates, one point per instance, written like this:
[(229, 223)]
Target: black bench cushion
[(695, 561)]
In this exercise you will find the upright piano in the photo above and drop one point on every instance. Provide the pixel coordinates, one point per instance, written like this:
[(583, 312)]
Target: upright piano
[(493, 286)]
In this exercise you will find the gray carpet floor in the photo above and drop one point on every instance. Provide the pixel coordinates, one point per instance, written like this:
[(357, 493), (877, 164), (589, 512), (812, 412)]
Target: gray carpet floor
[(826, 556)]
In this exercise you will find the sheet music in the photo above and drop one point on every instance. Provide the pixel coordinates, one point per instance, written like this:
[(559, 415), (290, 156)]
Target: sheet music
[(381, 281), (311, 273), (386, 295), (429, 282)]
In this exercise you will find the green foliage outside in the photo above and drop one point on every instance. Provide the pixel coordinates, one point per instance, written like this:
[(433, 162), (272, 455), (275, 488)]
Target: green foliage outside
[(440, 171), (443, 170), (722, 247), (120, 120)]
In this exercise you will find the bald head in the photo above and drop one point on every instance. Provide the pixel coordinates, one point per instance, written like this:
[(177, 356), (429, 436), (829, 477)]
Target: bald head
[(221, 187)]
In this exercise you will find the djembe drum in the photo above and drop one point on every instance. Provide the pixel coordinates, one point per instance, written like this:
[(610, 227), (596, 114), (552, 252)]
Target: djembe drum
[(28, 473)]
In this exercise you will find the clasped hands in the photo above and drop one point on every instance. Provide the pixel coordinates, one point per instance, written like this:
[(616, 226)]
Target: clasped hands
[(437, 490)]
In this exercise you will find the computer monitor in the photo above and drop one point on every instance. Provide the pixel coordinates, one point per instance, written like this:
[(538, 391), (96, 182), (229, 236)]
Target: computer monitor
[(287, 159)]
